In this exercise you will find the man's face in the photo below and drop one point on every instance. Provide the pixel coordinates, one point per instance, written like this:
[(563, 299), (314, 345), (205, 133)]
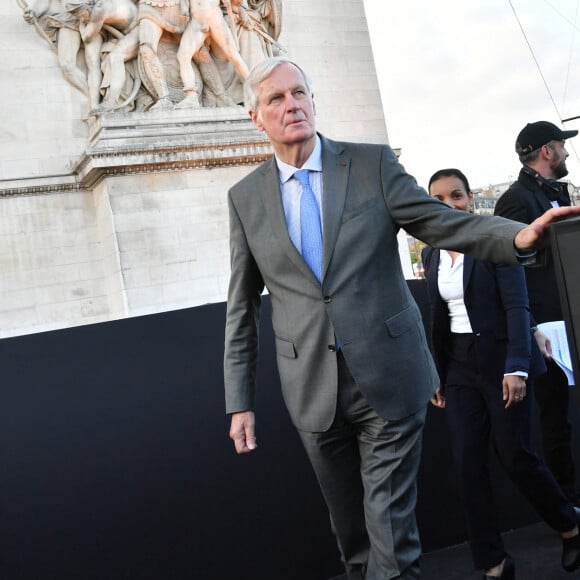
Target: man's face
[(558, 161), (285, 107)]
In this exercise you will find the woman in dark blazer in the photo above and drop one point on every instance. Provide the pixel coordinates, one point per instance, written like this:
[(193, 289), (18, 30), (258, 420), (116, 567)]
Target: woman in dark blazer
[(486, 356)]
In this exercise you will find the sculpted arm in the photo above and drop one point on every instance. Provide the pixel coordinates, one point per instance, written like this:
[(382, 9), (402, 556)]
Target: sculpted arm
[(36, 9), (93, 43), (92, 27)]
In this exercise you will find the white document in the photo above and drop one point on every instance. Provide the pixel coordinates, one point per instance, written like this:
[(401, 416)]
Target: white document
[(556, 332)]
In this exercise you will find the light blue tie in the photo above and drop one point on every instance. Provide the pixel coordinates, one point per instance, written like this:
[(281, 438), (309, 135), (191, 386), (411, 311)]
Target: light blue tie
[(310, 226)]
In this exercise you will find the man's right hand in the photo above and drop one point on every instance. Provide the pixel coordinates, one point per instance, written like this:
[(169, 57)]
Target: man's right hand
[(243, 431)]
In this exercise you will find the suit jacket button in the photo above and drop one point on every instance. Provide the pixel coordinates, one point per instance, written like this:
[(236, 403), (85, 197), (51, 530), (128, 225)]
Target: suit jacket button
[(331, 348), (327, 299)]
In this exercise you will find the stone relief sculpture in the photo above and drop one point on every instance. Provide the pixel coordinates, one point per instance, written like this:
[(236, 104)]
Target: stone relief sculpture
[(257, 26), (100, 21), (207, 23), (157, 54), (60, 29), (157, 19)]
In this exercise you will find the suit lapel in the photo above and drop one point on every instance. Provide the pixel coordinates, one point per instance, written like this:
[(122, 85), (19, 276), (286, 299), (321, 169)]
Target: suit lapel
[(433, 279), (468, 263), (335, 171), (269, 190)]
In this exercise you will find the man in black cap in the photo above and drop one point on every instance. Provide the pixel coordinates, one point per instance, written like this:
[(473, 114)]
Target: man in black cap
[(542, 152)]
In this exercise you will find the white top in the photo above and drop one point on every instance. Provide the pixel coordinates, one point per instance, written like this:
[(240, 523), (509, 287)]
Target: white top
[(450, 280)]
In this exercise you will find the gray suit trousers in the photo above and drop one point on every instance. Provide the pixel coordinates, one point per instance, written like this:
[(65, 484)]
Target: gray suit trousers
[(367, 470)]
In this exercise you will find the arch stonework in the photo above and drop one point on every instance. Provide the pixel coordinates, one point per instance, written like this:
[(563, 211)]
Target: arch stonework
[(124, 213)]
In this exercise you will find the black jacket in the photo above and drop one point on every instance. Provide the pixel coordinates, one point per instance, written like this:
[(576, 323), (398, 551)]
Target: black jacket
[(497, 305), (524, 201)]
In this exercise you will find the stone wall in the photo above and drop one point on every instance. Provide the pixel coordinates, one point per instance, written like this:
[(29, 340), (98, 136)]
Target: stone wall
[(172, 237), (92, 227), (41, 131), (51, 263)]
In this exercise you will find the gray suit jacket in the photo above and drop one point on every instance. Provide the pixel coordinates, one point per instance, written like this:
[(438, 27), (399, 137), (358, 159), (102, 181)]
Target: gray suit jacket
[(363, 298)]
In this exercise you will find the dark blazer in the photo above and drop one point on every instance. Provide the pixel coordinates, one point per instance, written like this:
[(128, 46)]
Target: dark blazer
[(524, 201), (363, 298), (496, 300)]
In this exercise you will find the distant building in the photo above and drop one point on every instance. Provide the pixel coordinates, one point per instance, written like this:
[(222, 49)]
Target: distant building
[(485, 198)]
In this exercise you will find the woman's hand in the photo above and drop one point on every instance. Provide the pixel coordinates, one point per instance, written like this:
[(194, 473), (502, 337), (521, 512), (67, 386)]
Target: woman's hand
[(544, 344), (438, 399), (514, 389)]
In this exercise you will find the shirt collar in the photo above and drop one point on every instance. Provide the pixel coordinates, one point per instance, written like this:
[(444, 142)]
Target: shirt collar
[(313, 163)]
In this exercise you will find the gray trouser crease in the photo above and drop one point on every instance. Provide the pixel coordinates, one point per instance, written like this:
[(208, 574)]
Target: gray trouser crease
[(367, 470)]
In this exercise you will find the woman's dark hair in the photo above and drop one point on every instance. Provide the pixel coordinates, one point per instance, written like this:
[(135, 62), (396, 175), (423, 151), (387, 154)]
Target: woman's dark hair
[(451, 172)]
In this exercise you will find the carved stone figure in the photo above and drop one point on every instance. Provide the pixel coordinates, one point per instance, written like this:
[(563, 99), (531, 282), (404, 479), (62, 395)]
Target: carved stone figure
[(121, 79), (271, 14), (61, 30), (207, 23), (212, 88), (113, 17), (156, 18), (257, 26), (144, 54)]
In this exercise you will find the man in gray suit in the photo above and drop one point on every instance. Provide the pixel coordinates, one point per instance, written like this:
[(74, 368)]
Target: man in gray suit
[(354, 365)]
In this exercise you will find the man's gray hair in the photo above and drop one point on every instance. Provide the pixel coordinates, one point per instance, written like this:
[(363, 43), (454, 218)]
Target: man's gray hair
[(533, 155), (260, 73)]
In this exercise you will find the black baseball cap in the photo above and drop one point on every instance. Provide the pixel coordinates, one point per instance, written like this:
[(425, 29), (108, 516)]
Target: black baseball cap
[(534, 135)]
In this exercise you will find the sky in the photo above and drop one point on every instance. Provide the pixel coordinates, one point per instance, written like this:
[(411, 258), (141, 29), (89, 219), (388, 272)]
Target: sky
[(459, 81)]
